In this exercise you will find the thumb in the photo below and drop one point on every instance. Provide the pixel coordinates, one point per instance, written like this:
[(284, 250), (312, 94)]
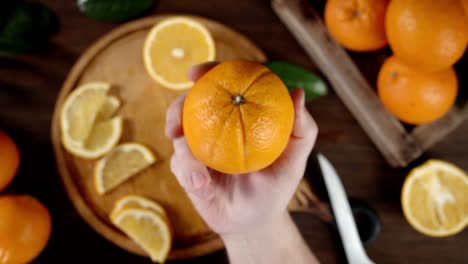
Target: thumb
[(197, 71), (304, 125), (302, 139), (191, 174)]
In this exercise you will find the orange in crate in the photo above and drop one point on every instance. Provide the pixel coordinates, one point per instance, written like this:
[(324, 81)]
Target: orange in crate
[(413, 96), (357, 25), (430, 35)]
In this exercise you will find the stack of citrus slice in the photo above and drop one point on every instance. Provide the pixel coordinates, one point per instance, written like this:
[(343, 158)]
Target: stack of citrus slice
[(435, 199), (89, 129), (146, 223)]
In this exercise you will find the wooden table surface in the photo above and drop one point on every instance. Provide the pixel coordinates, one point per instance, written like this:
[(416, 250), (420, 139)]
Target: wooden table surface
[(29, 86)]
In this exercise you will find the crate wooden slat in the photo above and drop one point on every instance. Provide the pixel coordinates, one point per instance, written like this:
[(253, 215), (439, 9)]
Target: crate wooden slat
[(397, 145), (428, 135)]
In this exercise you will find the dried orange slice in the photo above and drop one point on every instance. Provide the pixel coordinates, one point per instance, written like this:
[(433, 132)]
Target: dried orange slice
[(435, 198), (172, 47)]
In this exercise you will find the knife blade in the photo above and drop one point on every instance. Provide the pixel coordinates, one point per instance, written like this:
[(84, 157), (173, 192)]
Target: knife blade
[(347, 229)]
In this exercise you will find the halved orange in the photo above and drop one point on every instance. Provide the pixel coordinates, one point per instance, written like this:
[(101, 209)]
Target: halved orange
[(172, 47), (435, 198)]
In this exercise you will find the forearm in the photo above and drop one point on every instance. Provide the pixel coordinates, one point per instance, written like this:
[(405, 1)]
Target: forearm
[(278, 242)]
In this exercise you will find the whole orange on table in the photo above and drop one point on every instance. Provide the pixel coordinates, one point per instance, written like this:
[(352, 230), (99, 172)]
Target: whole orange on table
[(25, 227), (357, 25), (9, 159), (428, 34), (413, 96), (238, 117)]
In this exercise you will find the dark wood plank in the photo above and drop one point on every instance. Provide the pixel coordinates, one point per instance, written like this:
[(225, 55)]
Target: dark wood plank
[(430, 134), (29, 86)]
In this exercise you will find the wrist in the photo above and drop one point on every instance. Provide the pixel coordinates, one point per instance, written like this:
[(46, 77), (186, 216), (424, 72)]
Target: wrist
[(262, 231), (275, 241)]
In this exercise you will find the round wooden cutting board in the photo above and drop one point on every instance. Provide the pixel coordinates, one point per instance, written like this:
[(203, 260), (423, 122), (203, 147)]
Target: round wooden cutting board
[(117, 58)]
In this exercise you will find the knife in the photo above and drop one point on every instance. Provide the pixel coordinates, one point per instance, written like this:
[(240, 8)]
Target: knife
[(347, 229)]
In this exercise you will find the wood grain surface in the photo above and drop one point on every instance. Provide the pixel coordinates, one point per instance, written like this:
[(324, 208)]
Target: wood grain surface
[(117, 58), (29, 87)]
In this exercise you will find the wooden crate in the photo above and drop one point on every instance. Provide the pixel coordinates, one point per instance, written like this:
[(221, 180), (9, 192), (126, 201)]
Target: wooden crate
[(396, 144)]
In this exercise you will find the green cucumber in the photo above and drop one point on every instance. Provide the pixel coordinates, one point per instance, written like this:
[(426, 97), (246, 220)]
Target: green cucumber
[(113, 10), (294, 77)]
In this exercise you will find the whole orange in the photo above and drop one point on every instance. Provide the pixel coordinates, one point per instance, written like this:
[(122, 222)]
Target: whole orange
[(25, 227), (238, 117), (413, 96), (9, 159), (428, 34), (358, 25)]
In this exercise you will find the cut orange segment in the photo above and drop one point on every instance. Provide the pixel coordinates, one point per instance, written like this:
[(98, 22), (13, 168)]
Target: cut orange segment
[(79, 112), (137, 202), (109, 108), (104, 135), (172, 47), (435, 199), (120, 164), (148, 229)]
